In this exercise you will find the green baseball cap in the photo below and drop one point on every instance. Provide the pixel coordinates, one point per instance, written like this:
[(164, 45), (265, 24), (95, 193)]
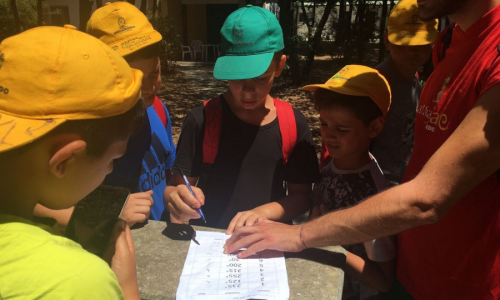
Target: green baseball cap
[(249, 38)]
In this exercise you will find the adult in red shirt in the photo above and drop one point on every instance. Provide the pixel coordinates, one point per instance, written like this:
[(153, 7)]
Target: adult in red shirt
[(448, 211)]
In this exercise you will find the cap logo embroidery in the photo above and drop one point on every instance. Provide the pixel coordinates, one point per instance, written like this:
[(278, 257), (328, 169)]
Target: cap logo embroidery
[(340, 75), (238, 38), (122, 23), (123, 26), (2, 58), (414, 21)]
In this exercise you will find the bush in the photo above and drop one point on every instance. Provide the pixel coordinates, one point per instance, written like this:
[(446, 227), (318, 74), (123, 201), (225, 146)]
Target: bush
[(170, 42), (27, 13)]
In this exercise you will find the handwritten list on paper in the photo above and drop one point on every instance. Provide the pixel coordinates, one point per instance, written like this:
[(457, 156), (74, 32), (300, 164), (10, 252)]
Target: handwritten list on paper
[(210, 274)]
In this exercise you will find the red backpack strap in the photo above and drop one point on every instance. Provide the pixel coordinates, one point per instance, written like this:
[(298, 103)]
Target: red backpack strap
[(288, 128), (213, 128), (160, 111)]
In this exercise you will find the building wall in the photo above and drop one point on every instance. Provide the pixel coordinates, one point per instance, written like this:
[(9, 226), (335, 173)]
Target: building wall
[(196, 22)]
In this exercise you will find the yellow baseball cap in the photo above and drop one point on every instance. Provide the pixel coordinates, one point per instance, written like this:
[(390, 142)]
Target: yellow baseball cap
[(405, 28), (123, 27), (356, 80), (52, 74)]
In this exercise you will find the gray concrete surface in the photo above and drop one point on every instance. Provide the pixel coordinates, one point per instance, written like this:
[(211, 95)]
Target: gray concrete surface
[(160, 253)]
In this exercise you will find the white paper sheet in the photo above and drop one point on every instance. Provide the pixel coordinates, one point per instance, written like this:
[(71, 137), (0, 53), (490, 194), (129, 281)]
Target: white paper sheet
[(210, 274)]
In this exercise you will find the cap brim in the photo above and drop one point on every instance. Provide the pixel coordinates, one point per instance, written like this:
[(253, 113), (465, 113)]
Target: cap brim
[(406, 38), (136, 42), (242, 67), (17, 131), (339, 89)]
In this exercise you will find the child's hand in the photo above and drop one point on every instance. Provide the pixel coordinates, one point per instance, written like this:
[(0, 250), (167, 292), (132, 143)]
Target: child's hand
[(245, 218), (123, 260), (315, 213), (182, 205), (137, 208)]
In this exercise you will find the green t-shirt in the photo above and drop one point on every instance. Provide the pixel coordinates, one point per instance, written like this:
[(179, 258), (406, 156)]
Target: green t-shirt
[(37, 263)]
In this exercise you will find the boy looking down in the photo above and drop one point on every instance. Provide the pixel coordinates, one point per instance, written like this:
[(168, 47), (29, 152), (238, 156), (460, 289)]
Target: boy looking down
[(248, 174), (61, 127)]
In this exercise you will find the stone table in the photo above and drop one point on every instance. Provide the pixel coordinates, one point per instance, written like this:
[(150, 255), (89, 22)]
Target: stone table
[(161, 251)]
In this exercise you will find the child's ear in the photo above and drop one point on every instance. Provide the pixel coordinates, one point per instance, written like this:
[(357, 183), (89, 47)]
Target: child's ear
[(376, 126), (59, 160), (281, 65)]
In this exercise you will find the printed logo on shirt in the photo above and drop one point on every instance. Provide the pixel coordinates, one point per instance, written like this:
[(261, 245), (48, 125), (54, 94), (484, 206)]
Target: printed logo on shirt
[(435, 120), (440, 94), (155, 161)]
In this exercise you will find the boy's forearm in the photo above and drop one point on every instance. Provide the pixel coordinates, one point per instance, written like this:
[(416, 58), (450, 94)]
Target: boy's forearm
[(288, 207), (368, 272)]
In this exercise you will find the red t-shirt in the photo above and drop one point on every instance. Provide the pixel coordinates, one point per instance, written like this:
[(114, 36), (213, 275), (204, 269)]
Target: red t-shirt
[(459, 257)]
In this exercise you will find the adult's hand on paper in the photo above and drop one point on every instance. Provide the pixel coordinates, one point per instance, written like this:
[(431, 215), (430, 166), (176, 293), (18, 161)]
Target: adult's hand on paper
[(182, 205), (264, 235), (137, 208), (245, 218)]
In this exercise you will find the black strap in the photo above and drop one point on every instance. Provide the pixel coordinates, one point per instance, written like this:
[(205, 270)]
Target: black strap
[(446, 41)]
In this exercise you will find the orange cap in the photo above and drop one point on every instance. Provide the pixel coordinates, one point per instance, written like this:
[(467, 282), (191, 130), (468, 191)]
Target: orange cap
[(52, 74), (405, 28), (356, 80), (123, 27)]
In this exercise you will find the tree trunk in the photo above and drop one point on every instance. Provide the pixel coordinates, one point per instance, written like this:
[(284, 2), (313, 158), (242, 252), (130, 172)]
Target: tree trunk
[(340, 34), (289, 34), (39, 10), (85, 10), (316, 40), (155, 7), (17, 19), (381, 44), (360, 19), (392, 5), (98, 3), (144, 6), (131, 2)]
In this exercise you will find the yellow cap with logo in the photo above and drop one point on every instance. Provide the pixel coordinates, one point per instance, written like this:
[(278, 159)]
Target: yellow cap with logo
[(357, 80), (123, 27), (52, 74), (405, 28)]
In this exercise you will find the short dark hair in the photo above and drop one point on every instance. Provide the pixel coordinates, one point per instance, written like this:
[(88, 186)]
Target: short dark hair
[(99, 134), (362, 107), (277, 56), (151, 51)]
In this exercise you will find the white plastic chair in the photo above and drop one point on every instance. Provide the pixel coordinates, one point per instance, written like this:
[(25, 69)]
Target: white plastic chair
[(186, 49), (196, 46)]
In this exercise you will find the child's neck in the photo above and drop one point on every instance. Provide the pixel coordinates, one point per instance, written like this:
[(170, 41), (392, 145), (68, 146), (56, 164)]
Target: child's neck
[(352, 162), (259, 116)]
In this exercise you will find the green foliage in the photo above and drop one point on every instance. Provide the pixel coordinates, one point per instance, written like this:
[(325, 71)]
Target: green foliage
[(27, 12), (170, 42)]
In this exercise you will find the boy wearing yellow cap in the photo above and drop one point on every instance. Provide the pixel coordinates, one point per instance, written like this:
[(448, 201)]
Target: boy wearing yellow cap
[(60, 130), (352, 105), (145, 167), (250, 167), (409, 41)]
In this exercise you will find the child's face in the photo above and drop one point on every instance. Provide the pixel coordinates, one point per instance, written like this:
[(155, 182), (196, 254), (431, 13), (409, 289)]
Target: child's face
[(82, 174), (344, 135), (252, 93), (151, 81), (409, 57)]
